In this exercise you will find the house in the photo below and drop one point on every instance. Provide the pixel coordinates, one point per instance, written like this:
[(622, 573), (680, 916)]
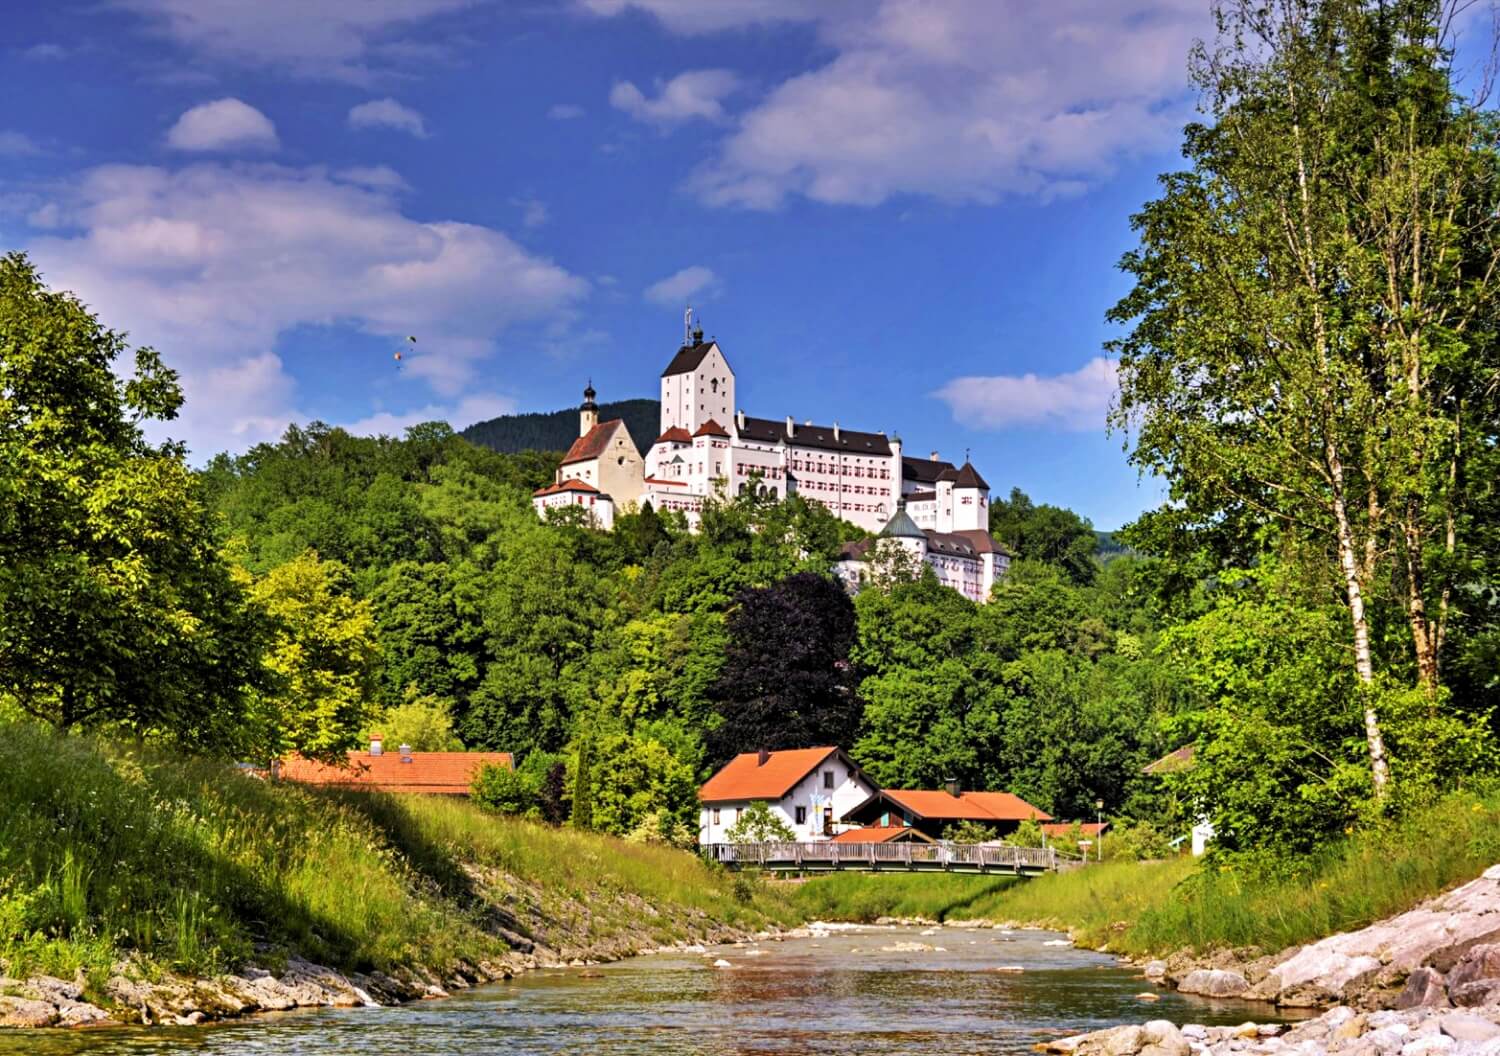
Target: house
[(430, 773), (930, 812), (810, 789), (708, 446), (1173, 762)]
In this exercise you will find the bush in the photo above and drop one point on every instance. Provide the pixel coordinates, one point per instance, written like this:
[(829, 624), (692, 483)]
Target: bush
[(758, 825), (1137, 842), (505, 791)]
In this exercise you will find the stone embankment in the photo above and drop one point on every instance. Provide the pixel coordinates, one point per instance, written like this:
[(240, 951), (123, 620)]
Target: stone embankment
[(1413, 1032), (44, 1001), (1444, 953)]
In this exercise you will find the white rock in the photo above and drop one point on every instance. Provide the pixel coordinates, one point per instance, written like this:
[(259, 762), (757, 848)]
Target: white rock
[(722, 963), (1427, 1043)]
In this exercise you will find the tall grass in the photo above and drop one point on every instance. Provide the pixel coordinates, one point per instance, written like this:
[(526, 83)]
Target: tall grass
[(1160, 907), (111, 851)]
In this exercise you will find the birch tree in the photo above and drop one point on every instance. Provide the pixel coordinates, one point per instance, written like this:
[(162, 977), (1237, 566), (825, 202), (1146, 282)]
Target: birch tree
[(1311, 332)]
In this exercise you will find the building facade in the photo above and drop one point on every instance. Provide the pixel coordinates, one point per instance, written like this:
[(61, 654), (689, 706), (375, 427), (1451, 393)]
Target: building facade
[(709, 447), (809, 789)]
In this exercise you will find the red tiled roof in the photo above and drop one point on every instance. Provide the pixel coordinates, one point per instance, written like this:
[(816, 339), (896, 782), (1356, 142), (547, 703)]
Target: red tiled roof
[(966, 806), (745, 778), (672, 483), (711, 428), (880, 834), (676, 435), (571, 484), (436, 773), (592, 443), (1090, 829)]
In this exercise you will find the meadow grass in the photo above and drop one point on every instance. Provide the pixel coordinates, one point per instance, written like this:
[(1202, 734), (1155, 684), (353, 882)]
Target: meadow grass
[(110, 851), (1159, 907)]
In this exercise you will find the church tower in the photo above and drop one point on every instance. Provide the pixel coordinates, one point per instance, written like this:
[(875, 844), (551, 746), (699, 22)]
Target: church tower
[(588, 413)]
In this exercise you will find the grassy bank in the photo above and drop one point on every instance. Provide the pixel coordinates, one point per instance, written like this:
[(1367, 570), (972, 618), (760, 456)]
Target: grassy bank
[(109, 852), (1160, 907)]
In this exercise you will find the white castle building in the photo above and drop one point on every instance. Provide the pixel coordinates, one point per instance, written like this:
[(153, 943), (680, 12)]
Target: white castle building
[(936, 512)]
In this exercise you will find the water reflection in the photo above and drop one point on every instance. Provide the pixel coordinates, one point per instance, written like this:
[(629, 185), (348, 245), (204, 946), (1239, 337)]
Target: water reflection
[(841, 993)]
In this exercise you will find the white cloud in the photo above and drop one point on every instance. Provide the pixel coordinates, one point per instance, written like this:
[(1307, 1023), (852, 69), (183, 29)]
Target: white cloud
[(44, 52), (534, 211), (212, 263), (224, 124), (708, 16), (1078, 401), (18, 145), (961, 100), (480, 407), (565, 111), (694, 94), (317, 38), (387, 113), (375, 177), (675, 288)]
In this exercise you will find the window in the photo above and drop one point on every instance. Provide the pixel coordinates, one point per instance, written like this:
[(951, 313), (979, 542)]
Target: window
[(714, 385), (716, 816), (801, 815), (827, 778), (827, 821)]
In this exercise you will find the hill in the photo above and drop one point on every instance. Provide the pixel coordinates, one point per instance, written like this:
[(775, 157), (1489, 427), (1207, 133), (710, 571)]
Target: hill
[(556, 430)]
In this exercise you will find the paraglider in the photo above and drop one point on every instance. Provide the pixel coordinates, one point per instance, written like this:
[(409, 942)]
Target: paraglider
[(410, 341)]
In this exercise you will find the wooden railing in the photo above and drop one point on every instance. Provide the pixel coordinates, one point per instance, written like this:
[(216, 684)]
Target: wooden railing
[(873, 857)]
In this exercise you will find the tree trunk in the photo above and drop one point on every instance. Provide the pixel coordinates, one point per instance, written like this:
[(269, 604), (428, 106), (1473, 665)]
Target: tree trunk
[(1423, 634)]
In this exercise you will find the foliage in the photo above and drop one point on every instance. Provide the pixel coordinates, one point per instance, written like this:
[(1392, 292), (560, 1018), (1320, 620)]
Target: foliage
[(1046, 533), (757, 824), (532, 434), (635, 778), (115, 606), (321, 661), (422, 722), (1028, 833), (967, 831), (504, 790), (1140, 841)]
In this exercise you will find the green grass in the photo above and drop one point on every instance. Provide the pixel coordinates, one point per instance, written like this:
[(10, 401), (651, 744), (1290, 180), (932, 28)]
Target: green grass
[(1160, 907), (111, 852)]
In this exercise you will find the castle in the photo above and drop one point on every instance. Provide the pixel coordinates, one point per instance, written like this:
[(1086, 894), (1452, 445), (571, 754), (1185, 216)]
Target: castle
[(936, 512)]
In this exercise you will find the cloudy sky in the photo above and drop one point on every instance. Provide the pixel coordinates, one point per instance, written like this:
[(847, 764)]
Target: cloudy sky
[(900, 214)]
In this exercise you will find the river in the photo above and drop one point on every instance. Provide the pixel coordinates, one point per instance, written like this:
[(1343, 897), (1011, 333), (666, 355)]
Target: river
[(849, 991)]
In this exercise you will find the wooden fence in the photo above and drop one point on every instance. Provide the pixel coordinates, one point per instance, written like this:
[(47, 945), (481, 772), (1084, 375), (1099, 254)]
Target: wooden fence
[(879, 857)]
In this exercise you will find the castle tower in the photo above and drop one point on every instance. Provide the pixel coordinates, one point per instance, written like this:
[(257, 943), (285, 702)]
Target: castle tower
[(588, 413), (697, 386), (971, 500)]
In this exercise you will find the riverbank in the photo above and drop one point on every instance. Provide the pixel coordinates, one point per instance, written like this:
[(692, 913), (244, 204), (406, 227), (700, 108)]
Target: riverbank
[(145, 885)]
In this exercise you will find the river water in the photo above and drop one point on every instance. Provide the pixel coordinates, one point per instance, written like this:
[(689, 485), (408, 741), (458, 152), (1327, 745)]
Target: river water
[(849, 991)]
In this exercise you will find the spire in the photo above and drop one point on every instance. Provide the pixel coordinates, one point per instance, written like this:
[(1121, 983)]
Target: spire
[(588, 397)]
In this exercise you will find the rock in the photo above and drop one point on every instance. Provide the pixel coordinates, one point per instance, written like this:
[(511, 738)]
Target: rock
[(1213, 982), (1155, 969), (1427, 1043), (1009, 969), (81, 1014), (1163, 1039), (1467, 1027), (907, 947), (722, 963), (191, 1019), (26, 1012), (1349, 1028), (1148, 995), (1480, 962), (1472, 995), (50, 988), (1384, 1040), (1425, 988)]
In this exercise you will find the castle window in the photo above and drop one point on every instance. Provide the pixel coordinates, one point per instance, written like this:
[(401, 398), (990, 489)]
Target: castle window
[(714, 385)]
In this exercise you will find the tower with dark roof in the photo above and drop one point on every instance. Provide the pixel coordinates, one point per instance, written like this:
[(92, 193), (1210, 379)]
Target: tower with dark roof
[(588, 411)]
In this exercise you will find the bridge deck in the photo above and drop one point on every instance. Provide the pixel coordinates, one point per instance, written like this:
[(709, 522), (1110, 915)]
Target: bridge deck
[(882, 857)]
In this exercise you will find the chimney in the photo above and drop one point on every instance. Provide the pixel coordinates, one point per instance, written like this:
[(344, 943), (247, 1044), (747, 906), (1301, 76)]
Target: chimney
[(952, 785), (763, 758), (377, 744), (791, 429), (835, 431), (739, 419), (406, 753), (934, 456)]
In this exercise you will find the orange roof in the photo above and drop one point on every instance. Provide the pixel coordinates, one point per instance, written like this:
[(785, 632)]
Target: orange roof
[(673, 483), (879, 834), (1065, 828), (675, 435), (592, 443), (437, 773), (571, 484), (745, 777), (711, 428), (966, 806)]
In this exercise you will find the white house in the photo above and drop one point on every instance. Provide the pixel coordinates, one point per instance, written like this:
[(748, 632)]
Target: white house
[(810, 789)]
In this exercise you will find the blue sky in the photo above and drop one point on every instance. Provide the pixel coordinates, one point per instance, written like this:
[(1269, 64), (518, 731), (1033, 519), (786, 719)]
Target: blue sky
[(900, 214)]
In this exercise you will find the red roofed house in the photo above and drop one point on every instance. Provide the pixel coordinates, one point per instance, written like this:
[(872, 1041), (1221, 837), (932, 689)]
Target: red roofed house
[(601, 471), (932, 811), (811, 789), (432, 773)]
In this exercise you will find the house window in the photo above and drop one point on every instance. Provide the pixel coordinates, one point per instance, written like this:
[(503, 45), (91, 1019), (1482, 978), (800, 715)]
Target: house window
[(827, 778), (716, 816), (801, 815), (827, 821)]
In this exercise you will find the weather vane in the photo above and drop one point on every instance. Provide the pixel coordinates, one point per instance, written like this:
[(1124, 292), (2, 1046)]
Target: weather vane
[(687, 326)]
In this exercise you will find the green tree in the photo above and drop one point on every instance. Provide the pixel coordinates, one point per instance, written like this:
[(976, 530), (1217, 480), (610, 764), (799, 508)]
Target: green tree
[(635, 778), (1046, 533), (1311, 343), (322, 659), (757, 824), (422, 722), (115, 606), (505, 791)]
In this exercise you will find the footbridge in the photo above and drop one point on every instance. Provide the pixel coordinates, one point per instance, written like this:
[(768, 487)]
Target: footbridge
[(884, 857)]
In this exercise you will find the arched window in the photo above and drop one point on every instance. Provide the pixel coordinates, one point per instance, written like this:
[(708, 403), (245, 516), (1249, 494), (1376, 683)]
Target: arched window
[(714, 385)]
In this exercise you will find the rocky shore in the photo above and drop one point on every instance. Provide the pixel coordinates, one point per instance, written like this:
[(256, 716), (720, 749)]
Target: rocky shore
[(44, 1001)]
